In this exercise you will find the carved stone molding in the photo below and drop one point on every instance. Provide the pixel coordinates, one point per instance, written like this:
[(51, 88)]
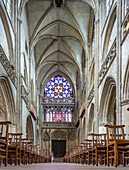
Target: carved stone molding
[(58, 125), (8, 67), (125, 27), (91, 96), (45, 136), (24, 95), (71, 135), (58, 134), (108, 62)]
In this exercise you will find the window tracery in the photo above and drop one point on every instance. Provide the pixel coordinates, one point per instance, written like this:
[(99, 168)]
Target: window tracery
[(58, 91)]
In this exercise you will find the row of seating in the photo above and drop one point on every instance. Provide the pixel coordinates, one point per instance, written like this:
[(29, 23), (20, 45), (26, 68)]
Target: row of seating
[(103, 149), (16, 150)]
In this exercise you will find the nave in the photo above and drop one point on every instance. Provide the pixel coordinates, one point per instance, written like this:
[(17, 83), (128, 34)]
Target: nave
[(64, 81), (60, 166)]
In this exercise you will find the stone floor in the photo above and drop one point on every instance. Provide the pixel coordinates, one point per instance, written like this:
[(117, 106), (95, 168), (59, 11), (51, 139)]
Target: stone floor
[(59, 166)]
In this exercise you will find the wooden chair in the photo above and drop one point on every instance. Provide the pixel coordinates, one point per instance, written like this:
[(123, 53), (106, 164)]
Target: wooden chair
[(87, 154), (14, 148), (4, 127), (24, 150), (116, 145), (99, 150)]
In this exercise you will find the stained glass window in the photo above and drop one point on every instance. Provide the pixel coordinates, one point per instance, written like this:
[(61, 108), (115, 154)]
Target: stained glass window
[(58, 91), (108, 5), (58, 87), (8, 6), (58, 114)]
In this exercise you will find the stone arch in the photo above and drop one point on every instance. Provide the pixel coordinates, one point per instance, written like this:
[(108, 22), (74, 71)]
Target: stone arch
[(126, 83), (112, 20), (29, 128), (59, 135), (7, 31), (108, 101), (55, 74), (7, 105), (91, 119), (3, 110), (22, 3)]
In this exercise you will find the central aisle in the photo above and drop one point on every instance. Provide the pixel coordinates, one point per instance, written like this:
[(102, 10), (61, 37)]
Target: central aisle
[(58, 166)]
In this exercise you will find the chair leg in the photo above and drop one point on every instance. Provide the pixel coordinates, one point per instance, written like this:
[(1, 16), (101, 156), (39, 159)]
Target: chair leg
[(16, 154), (107, 157), (96, 157)]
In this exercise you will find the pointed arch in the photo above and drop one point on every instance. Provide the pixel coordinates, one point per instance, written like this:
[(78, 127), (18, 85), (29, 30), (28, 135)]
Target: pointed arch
[(7, 31), (55, 74), (29, 128), (107, 103), (112, 20), (7, 99), (52, 24)]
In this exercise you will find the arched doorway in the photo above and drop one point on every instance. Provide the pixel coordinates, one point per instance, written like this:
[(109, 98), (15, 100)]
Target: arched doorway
[(29, 128), (59, 141)]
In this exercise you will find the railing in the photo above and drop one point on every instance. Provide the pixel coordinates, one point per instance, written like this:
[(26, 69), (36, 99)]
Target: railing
[(91, 95), (125, 27), (107, 63), (58, 124), (8, 67), (58, 100)]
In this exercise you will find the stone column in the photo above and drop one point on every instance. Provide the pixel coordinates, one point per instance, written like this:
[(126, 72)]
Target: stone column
[(96, 91), (67, 146), (50, 143), (119, 64), (18, 74)]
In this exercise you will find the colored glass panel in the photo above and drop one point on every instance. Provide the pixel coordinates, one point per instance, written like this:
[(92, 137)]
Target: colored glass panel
[(58, 87), (58, 114), (58, 90)]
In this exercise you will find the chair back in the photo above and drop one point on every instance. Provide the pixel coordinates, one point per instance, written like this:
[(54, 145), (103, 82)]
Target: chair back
[(4, 128), (15, 139), (115, 132), (88, 144), (99, 139)]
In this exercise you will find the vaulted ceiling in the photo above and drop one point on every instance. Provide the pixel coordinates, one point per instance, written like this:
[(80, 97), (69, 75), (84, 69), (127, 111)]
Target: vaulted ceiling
[(58, 36)]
